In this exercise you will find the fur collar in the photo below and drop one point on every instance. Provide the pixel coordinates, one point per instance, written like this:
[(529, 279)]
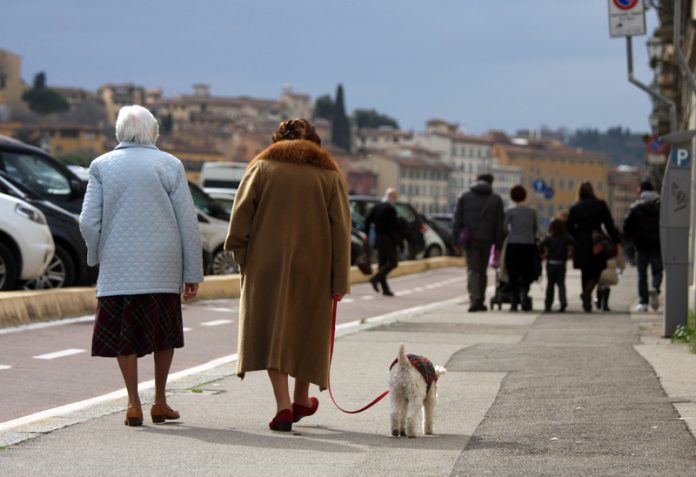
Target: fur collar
[(298, 152)]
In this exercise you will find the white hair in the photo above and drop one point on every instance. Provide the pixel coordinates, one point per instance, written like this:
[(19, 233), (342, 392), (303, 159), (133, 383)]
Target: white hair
[(136, 124)]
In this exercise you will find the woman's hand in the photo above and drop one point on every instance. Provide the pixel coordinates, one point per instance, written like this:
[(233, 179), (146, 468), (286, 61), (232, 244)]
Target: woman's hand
[(338, 296), (190, 291)]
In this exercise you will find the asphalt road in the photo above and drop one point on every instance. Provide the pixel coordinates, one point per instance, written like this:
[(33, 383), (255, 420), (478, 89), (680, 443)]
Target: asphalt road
[(46, 367)]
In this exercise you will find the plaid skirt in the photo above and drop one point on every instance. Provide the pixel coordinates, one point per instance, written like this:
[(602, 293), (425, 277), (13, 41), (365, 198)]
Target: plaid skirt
[(137, 324)]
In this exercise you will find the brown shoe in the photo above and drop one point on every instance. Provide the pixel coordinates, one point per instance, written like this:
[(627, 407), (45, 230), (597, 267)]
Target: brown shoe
[(134, 416), (161, 412)]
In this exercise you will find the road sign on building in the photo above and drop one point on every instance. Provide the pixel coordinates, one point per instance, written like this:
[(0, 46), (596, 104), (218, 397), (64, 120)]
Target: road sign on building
[(626, 18)]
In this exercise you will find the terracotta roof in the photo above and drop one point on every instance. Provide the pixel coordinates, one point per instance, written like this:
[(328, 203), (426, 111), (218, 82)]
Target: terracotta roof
[(460, 137)]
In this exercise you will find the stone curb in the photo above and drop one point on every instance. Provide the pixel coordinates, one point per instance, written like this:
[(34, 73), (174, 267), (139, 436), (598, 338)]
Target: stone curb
[(25, 307)]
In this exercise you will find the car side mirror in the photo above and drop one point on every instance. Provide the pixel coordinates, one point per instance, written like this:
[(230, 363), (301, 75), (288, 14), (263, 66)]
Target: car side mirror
[(78, 187)]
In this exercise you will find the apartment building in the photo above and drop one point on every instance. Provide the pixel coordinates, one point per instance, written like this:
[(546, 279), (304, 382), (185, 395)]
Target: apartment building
[(466, 155), (418, 174), (117, 95), (551, 173), (382, 139)]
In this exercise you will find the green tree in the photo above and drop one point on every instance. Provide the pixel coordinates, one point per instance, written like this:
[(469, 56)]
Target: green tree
[(340, 127), (369, 118), (323, 107), (44, 100)]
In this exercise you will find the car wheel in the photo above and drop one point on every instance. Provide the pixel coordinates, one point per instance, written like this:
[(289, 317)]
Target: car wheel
[(59, 273), (433, 251), (223, 263), (8, 269)]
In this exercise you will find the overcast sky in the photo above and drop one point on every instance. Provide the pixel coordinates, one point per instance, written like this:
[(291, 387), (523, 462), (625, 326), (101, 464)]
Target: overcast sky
[(486, 64)]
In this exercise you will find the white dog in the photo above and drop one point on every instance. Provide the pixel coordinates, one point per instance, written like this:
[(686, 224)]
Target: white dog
[(412, 386)]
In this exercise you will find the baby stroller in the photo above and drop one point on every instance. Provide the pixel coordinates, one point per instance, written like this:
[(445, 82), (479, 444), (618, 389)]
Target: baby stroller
[(502, 294)]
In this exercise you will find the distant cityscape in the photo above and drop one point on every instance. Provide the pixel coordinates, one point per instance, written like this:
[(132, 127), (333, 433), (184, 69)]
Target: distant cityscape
[(429, 168)]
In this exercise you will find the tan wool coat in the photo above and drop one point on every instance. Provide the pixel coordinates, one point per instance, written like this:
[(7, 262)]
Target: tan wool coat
[(290, 234)]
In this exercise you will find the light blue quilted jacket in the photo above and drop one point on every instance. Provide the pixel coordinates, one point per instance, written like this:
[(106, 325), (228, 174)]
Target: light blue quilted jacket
[(139, 222)]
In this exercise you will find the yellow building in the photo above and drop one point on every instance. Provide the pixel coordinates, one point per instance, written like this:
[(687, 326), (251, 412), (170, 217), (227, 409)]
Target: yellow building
[(11, 85), (65, 138), (561, 169), (115, 96), (192, 156)]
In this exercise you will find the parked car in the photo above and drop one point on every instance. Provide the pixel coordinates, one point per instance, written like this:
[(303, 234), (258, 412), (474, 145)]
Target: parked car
[(69, 264), (26, 245), (222, 174), (207, 204), (443, 227), (42, 173), (224, 197), (415, 228), (216, 260)]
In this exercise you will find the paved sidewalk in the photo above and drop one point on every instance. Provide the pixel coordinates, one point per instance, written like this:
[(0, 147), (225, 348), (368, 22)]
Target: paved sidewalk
[(525, 394)]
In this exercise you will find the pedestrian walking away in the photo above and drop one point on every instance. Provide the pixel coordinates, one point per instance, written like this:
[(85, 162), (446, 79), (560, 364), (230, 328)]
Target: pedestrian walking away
[(290, 235), (557, 248), (388, 238), (521, 250), (594, 239), (140, 226), (642, 229), (478, 224)]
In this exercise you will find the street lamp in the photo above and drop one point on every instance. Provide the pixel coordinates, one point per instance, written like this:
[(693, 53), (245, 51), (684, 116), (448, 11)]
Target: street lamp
[(655, 51)]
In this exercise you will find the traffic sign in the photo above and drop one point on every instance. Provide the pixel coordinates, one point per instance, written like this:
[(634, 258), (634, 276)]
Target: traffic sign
[(680, 157), (548, 193), (539, 186), (626, 18)]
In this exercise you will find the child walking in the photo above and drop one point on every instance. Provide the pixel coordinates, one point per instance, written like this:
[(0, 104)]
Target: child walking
[(557, 247), (608, 278)]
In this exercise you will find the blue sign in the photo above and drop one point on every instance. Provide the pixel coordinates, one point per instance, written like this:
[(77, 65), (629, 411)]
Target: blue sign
[(680, 157), (548, 194), (539, 186)]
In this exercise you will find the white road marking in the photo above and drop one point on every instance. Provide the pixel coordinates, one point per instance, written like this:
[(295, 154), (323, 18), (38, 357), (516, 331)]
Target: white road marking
[(4, 366), (187, 329), (216, 322), (405, 292), (418, 289), (60, 354), (367, 297), (121, 393), (46, 324), (348, 300), (221, 309)]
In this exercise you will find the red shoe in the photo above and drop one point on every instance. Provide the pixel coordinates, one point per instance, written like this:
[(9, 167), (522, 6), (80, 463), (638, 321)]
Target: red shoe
[(300, 411), (282, 421)]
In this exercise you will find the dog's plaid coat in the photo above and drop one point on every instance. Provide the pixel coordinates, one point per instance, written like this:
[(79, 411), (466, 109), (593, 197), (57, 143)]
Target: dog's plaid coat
[(424, 366)]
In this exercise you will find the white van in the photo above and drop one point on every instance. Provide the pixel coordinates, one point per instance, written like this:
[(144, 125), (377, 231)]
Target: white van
[(222, 175)]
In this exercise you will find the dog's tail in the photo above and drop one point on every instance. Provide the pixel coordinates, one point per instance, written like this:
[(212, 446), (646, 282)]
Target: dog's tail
[(403, 360), (440, 370)]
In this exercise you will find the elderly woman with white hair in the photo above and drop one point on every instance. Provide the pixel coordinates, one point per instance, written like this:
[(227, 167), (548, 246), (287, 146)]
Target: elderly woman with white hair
[(140, 225)]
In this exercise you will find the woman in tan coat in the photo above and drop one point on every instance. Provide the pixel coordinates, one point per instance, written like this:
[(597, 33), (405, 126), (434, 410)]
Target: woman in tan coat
[(290, 235)]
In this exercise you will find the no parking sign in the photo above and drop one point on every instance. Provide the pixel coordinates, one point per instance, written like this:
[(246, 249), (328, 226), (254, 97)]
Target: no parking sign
[(626, 18)]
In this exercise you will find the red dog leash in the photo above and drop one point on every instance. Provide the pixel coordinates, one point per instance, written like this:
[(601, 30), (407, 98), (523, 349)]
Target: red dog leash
[(333, 337)]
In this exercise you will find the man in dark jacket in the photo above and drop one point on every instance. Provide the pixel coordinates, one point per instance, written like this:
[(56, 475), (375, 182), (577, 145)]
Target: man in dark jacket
[(642, 227), (383, 215), (480, 212)]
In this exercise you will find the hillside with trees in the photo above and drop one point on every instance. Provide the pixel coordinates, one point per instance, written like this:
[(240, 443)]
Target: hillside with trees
[(621, 145)]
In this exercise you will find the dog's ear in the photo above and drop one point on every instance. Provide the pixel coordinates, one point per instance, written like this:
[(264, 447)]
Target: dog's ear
[(440, 370)]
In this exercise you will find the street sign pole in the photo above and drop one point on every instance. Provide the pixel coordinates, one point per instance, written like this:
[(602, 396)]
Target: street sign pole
[(675, 218)]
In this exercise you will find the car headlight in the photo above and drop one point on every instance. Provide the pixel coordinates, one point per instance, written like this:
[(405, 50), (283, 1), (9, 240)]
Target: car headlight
[(30, 213)]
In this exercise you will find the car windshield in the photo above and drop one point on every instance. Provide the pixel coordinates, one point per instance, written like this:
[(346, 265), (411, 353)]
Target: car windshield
[(36, 173)]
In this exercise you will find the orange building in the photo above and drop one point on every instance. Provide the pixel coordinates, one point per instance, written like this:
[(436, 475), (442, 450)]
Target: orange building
[(559, 168)]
